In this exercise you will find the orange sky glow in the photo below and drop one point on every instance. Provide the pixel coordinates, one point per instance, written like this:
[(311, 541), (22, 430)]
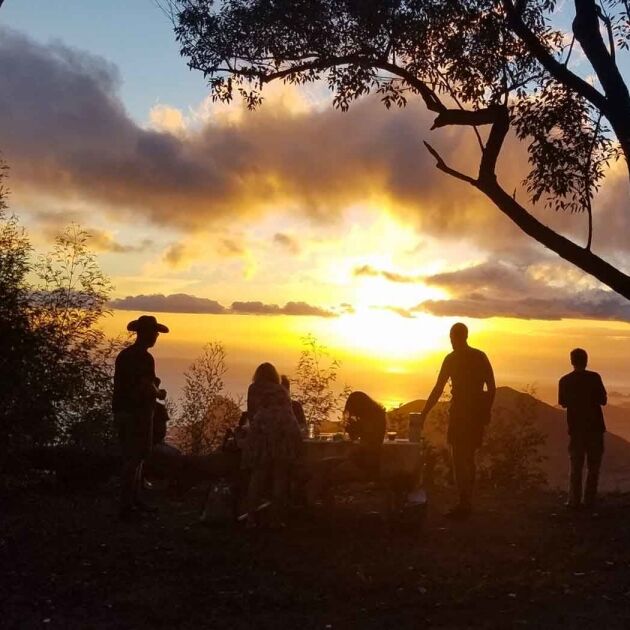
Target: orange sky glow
[(299, 219), (394, 359)]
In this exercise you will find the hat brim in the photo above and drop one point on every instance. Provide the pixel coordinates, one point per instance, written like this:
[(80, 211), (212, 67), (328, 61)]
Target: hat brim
[(136, 326)]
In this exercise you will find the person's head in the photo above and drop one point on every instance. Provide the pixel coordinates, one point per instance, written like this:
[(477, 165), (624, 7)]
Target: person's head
[(579, 358), (147, 330), (459, 335), (266, 373), (360, 405), (285, 382)]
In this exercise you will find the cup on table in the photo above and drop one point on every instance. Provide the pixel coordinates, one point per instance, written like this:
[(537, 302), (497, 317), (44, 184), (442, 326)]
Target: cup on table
[(391, 435), (416, 420)]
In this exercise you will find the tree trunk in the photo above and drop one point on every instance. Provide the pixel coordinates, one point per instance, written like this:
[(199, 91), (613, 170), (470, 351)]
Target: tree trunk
[(586, 27), (579, 256)]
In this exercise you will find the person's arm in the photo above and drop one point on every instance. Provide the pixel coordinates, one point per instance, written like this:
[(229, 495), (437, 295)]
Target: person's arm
[(490, 383), (161, 393), (602, 395), (562, 394), (251, 403), (353, 428), (438, 388), (149, 382)]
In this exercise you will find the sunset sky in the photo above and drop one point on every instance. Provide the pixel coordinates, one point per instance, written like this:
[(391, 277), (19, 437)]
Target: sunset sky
[(257, 228)]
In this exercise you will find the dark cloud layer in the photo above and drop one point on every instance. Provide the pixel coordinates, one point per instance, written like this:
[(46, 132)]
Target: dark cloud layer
[(175, 303), (498, 289), (495, 276), (290, 308), (501, 289), (105, 242), (65, 133), (392, 276), (600, 305), (184, 303), (287, 242)]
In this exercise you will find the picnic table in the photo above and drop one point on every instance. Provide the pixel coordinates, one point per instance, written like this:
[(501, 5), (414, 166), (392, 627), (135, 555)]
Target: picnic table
[(401, 472), (399, 479), (401, 467), (399, 457)]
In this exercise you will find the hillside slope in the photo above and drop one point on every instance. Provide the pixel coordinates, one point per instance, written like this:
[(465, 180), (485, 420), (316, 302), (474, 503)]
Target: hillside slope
[(551, 421)]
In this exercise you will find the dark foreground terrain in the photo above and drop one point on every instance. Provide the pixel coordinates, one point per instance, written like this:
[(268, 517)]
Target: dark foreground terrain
[(519, 562)]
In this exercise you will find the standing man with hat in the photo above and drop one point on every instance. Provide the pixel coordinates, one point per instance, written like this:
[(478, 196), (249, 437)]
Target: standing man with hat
[(135, 392), (469, 371)]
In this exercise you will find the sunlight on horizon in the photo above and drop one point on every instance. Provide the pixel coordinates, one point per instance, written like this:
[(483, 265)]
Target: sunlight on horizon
[(393, 358), (388, 336)]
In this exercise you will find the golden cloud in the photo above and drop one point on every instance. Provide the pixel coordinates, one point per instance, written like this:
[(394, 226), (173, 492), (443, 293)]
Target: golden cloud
[(67, 136)]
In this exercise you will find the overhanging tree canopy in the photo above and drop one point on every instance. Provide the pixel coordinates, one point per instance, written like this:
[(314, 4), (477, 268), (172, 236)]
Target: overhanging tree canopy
[(490, 65)]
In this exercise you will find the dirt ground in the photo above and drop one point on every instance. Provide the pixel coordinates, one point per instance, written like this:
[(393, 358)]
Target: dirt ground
[(519, 562)]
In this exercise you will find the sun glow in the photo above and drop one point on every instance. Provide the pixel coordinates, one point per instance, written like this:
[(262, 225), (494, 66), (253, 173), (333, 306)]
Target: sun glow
[(386, 335)]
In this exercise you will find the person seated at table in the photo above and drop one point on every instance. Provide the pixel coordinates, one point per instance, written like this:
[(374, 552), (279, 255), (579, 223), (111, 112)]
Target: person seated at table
[(365, 424), (272, 444)]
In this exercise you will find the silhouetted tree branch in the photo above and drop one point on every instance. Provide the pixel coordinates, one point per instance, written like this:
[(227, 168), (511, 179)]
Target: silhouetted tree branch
[(502, 64)]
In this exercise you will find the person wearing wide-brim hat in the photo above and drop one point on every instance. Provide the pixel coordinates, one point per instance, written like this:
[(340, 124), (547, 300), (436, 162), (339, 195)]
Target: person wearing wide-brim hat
[(135, 392)]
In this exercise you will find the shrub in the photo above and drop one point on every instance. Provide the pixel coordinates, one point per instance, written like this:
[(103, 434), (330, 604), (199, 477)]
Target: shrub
[(55, 363), (205, 411), (316, 375), (509, 457)]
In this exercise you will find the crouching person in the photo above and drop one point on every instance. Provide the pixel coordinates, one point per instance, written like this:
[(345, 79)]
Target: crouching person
[(582, 393), (365, 423), (135, 392)]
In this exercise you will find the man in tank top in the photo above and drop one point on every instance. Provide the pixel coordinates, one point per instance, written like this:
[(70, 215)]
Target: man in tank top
[(472, 395)]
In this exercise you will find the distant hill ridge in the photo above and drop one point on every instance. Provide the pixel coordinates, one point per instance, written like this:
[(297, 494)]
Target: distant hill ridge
[(552, 422)]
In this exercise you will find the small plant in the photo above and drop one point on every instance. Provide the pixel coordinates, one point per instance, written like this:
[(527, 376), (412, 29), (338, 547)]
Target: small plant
[(509, 457), (206, 412), (316, 376)]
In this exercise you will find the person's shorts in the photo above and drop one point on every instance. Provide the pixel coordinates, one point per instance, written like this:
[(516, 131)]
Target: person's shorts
[(465, 431), (135, 433)]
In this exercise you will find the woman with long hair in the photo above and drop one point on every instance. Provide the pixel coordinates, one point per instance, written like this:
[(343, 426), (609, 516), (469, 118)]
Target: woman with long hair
[(272, 444), (366, 422)]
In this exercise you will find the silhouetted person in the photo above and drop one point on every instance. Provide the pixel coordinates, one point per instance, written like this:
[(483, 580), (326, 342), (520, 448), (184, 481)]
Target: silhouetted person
[(582, 393), (366, 423), (296, 405), (272, 444), (133, 404), (160, 419), (469, 371)]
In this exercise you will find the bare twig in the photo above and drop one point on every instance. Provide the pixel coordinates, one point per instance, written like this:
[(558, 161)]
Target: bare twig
[(443, 166), (587, 168)]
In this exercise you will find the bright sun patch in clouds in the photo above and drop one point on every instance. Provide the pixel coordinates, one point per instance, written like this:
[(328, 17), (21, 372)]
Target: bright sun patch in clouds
[(387, 336)]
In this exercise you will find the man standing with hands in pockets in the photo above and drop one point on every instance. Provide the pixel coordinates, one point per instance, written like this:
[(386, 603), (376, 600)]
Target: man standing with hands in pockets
[(582, 393), (469, 371)]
